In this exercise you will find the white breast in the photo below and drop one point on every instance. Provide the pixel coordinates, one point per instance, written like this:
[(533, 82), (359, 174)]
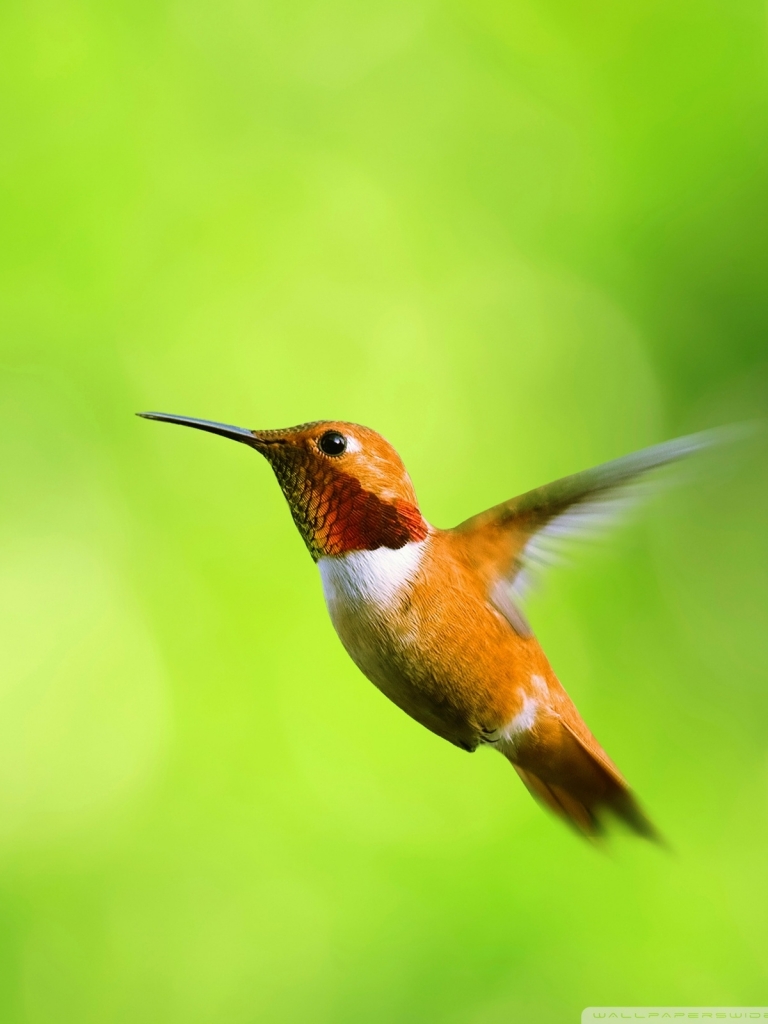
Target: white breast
[(371, 580)]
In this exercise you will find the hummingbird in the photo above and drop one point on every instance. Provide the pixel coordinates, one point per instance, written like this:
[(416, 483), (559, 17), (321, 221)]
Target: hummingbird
[(434, 617)]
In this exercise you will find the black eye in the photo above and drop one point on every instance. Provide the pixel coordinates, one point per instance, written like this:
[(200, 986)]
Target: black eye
[(332, 442)]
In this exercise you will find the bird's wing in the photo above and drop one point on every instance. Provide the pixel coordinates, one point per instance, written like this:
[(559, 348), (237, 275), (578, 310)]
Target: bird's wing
[(528, 533)]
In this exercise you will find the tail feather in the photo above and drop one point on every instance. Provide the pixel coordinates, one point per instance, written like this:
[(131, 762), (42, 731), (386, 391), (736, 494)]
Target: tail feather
[(571, 775), (561, 802)]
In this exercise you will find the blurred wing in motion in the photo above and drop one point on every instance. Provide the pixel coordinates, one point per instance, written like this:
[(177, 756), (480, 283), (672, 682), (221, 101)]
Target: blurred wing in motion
[(528, 533)]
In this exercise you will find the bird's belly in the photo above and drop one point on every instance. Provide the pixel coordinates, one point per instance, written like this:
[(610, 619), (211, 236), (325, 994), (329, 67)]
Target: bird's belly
[(396, 645)]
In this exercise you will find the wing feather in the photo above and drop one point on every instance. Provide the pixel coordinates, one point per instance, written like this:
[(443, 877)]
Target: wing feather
[(530, 532)]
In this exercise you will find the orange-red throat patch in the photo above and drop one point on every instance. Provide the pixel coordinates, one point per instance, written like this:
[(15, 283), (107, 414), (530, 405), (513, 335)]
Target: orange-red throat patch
[(335, 514)]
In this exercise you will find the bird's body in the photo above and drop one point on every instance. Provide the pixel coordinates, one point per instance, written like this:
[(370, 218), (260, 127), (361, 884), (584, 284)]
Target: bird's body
[(432, 616), (418, 623)]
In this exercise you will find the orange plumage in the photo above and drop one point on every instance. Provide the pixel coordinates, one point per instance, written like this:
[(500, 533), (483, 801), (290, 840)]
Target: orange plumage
[(433, 617)]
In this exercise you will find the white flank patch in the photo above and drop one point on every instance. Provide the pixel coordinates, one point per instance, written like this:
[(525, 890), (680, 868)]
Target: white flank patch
[(370, 577), (524, 720), (540, 686)]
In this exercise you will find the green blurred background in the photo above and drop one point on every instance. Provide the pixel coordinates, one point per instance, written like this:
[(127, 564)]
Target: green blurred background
[(518, 239)]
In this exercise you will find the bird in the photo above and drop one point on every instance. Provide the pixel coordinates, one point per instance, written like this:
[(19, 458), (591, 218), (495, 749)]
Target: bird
[(434, 617)]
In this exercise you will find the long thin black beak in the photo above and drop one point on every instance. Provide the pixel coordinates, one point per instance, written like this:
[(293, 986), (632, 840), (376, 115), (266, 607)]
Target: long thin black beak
[(235, 433)]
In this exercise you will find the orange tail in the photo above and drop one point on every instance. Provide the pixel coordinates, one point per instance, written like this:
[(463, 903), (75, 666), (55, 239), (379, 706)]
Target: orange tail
[(570, 773)]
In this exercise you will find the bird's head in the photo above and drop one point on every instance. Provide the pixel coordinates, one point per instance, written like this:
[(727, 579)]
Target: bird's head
[(346, 486)]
